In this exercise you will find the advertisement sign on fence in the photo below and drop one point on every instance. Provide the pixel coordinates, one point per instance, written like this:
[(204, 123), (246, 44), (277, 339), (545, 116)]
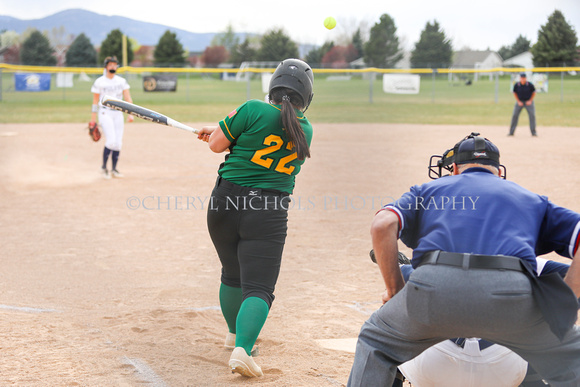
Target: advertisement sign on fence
[(401, 83), (32, 82), (160, 83)]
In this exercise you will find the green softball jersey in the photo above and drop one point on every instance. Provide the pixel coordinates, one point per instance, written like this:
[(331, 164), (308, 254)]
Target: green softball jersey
[(261, 155)]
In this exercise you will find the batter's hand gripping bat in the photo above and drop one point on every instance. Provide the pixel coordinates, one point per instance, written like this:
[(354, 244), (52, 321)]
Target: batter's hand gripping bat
[(144, 113)]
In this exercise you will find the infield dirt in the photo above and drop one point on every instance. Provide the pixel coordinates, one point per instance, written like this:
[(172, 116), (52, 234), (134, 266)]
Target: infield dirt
[(115, 282)]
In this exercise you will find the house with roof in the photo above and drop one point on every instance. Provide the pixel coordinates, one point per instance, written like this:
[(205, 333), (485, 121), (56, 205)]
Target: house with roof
[(477, 60), (525, 60)]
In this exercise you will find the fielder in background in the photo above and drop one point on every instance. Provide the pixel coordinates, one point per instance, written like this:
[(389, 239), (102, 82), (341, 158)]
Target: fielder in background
[(247, 220), (475, 238), (524, 92), (112, 121)]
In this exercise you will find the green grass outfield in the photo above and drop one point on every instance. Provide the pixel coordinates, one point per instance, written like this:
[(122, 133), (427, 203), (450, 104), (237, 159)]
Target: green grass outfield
[(208, 99)]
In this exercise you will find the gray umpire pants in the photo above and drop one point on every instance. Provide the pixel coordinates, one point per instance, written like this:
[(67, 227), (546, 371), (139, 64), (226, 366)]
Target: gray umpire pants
[(442, 302), (531, 114)]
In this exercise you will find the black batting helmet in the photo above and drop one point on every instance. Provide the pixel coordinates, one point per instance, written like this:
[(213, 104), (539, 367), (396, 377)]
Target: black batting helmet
[(296, 75)]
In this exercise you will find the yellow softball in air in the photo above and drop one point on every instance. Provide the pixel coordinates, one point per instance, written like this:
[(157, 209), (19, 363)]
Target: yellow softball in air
[(330, 22)]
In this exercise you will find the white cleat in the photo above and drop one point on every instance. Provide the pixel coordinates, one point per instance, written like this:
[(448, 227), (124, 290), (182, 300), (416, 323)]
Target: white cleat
[(116, 174), (243, 364), (105, 173), (230, 342)]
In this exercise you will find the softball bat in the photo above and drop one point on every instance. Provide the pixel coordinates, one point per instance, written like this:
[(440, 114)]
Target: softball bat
[(144, 113)]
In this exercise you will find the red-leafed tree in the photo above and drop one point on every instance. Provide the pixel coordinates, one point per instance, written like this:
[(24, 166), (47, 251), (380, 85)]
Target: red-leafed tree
[(214, 55), (340, 56)]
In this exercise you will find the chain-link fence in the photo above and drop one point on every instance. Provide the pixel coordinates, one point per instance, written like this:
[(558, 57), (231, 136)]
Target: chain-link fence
[(252, 79), (334, 88)]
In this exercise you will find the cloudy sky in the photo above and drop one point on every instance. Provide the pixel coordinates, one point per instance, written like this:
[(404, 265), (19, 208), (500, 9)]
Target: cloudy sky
[(477, 25)]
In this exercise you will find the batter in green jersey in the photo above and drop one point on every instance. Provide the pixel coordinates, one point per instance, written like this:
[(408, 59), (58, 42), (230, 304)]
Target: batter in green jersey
[(248, 217), (262, 155)]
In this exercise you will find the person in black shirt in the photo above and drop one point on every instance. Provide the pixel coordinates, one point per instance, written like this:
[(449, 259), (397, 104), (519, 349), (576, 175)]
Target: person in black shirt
[(524, 92)]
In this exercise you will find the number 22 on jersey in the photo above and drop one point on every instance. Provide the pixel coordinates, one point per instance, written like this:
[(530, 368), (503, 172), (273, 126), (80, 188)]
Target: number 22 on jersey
[(274, 143)]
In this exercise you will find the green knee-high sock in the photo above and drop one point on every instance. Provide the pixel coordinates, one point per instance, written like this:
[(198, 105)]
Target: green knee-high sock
[(251, 318), (230, 301)]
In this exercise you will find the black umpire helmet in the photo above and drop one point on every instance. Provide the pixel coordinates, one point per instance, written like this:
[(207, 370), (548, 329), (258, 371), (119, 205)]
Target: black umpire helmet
[(472, 149), (296, 75)]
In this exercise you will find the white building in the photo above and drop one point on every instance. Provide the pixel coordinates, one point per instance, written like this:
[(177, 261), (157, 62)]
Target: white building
[(521, 60), (477, 60)]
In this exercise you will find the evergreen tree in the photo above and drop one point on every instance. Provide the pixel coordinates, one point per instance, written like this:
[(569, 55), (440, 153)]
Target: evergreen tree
[(505, 52), (36, 51), (357, 42), (382, 48), (521, 45), (277, 46), (113, 46), (556, 43), (169, 51), (81, 53), (433, 49), (243, 52)]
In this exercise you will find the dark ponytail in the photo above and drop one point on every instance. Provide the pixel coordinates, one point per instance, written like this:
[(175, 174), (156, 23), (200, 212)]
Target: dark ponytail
[(289, 99)]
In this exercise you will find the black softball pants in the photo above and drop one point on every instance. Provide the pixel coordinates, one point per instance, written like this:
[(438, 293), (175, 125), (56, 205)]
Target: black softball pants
[(248, 228)]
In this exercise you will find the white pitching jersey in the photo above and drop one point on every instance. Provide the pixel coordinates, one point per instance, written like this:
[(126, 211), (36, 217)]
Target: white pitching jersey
[(110, 87)]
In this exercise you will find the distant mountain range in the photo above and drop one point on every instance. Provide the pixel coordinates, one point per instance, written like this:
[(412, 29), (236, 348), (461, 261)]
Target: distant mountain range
[(96, 27)]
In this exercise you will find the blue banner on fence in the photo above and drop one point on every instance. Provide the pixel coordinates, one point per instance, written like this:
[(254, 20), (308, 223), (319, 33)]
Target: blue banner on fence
[(32, 82)]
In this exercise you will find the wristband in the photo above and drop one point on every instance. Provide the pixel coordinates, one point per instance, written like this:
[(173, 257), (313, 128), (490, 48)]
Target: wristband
[(95, 108)]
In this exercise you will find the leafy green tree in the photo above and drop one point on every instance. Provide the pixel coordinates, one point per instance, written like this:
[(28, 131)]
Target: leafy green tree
[(382, 48), (228, 39), (243, 52), (314, 57), (277, 46), (556, 43), (37, 51), (169, 51), (113, 46), (521, 45), (81, 52), (433, 48)]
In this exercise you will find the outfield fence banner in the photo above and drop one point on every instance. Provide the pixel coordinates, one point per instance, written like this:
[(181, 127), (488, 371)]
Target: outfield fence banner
[(64, 80), (160, 82), (31, 82), (540, 82), (401, 83)]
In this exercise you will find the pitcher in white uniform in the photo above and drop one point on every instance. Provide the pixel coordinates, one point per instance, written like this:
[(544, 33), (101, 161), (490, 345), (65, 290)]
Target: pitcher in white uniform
[(111, 121)]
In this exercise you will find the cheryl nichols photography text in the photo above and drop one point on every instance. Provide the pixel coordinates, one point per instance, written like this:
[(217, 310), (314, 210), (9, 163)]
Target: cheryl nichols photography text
[(310, 203)]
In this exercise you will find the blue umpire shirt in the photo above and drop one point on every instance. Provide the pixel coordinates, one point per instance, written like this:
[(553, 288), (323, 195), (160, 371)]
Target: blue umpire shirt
[(524, 91), (478, 212)]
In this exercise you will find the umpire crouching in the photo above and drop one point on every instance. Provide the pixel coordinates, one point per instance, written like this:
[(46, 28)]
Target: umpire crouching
[(475, 237)]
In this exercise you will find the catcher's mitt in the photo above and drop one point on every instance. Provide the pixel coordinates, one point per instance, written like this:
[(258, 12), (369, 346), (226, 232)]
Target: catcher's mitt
[(94, 131)]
